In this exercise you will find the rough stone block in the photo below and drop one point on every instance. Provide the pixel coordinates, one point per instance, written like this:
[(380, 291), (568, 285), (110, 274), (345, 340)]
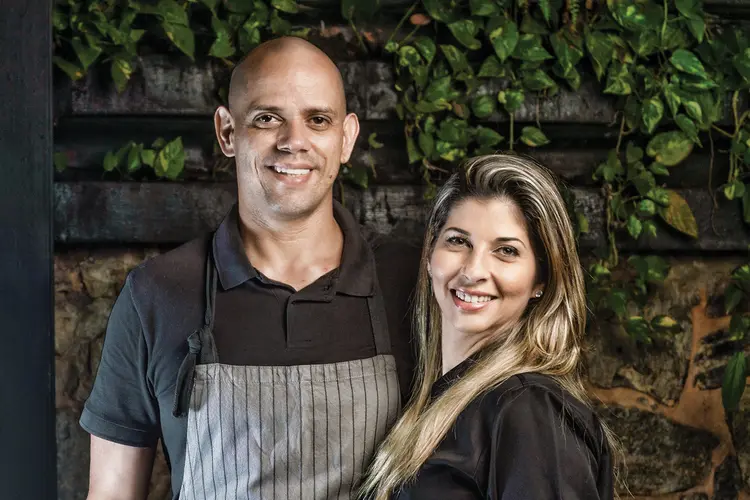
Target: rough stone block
[(72, 457), (661, 456)]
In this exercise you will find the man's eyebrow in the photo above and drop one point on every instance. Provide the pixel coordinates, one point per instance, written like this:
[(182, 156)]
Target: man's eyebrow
[(322, 110)]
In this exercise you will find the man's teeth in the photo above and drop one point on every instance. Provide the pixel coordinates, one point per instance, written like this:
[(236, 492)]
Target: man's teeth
[(291, 171), (474, 299)]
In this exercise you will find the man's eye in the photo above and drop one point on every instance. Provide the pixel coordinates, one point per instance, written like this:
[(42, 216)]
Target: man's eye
[(265, 118), (319, 120)]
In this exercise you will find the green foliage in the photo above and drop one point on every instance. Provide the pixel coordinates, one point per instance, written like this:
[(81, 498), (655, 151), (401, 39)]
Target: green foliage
[(165, 159), (87, 32)]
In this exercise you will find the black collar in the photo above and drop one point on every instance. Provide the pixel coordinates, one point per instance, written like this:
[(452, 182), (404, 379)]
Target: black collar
[(354, 276)]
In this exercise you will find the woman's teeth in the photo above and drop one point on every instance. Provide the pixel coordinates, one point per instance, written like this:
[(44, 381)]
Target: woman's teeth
[(474, 299), (291, 171)]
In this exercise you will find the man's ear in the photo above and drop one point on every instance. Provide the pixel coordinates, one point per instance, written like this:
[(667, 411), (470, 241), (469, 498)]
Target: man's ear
[(224, 127), (351, 131)]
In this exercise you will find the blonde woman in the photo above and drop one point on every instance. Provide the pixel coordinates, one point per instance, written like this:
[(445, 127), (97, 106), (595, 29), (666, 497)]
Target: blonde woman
[(499, 410)]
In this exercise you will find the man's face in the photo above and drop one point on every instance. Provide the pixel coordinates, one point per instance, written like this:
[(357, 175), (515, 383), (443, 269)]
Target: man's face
[(290, 135)]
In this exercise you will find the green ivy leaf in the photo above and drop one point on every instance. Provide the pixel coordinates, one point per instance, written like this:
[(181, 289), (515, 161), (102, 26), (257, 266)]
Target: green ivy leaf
[(693, 110), (170, 161), (372, 141), (734, 381), (741, 62), (610, 168), (181, 36), (538, 80), (665, 324), (211, 4), (658, 169), (673, 100), (649, 229), (652, 112), (634, 227), (639, 329), (632, 15), (739, 326), (110, 161), (440, 88), (465, 32), (486, 137), (222, 46), (278, 25), (679, 215), (659, 195), (411, 150), (617, 301), (85, 53), (511, 99), (172, 12), (483, 106), (148, 156), (59, 19), (688, 127), (646, 208), (529, 48), (670, 148), (70, 69), (288, 6), (733, 295), (503, 35), (687, 62), (645, 43), (426, 143), (409, 56), (453, 131), (633, 153), (248, 37), (60, 160), (121, 70), (133, 161), (742, 275), (619, 80), (239, 6), (532, 136), (491, 68), (484, 8), (601, 51), (440, 10), (734, 189), (448, 152), (457, 61), (424, 107), (568, 48), (426, 47)]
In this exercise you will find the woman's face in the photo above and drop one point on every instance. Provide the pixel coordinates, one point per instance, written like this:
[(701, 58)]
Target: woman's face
[(483, 269)]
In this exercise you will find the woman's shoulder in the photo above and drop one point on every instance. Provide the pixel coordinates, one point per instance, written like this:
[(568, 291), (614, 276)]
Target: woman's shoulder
[(526, 401)]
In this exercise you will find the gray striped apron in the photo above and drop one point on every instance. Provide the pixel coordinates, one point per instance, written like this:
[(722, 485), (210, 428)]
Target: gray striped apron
[(282, 432)]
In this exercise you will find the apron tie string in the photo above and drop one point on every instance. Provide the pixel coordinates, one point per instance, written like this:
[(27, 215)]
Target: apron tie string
[(186, 374)]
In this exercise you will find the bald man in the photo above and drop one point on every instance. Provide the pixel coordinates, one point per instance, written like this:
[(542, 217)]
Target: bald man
[(270, 356)]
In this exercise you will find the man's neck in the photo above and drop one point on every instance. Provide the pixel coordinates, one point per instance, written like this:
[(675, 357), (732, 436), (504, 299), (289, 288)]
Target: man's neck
[(292, 251)]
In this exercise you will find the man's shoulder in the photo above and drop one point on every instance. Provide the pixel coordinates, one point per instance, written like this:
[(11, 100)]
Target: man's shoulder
[(177, 270)]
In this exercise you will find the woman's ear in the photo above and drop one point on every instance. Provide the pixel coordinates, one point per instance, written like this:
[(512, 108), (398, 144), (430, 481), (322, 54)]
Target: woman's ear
[(429, 270)]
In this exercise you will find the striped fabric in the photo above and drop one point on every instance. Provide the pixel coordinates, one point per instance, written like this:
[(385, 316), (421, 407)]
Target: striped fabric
[(286, 432)]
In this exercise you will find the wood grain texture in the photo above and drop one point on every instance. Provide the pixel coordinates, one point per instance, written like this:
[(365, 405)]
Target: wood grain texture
[(27, 422), (161, 212)]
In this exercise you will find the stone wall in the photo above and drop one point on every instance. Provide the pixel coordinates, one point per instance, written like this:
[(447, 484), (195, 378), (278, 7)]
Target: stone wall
[(662, 401)]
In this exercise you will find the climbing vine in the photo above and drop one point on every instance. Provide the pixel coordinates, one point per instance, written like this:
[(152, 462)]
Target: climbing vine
[(466, 72), (671, 71)]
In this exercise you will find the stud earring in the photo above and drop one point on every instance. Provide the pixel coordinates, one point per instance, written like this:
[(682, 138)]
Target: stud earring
[(538, 294)]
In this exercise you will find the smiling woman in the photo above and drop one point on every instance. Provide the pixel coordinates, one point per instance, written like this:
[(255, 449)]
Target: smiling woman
[(500, 409)]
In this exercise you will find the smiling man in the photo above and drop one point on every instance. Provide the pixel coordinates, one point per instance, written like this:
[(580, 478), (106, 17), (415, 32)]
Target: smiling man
[(269, 357)]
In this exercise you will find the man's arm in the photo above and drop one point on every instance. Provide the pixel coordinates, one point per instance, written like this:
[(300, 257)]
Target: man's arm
[(119, 472)]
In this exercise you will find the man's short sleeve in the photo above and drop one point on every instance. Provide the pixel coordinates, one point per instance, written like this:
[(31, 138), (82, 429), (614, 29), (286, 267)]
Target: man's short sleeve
[(121, 407)]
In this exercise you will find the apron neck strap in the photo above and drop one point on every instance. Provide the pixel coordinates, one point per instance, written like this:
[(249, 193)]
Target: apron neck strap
[(378, 317)]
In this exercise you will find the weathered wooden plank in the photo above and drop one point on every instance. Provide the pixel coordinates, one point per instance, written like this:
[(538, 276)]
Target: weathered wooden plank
[(86, 140), (176, 212), (163, 88)]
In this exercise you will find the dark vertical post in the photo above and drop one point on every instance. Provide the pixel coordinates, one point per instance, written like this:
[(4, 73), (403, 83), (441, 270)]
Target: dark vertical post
[(27, 405)]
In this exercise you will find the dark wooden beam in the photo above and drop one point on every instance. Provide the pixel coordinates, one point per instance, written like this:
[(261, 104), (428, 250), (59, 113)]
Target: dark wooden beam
[(27, 419), (168, 213)]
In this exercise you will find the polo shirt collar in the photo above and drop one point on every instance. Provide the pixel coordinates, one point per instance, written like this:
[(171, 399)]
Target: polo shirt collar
[(355, 275)]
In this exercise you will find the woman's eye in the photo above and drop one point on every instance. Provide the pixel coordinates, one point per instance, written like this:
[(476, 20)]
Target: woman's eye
[(508, 251), (456, 240)]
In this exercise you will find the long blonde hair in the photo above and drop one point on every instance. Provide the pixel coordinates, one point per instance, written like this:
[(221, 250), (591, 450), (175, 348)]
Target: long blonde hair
[(547, 339)]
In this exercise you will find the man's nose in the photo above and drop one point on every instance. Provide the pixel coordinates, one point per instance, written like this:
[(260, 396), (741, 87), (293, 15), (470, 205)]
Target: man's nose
[(293, 137)]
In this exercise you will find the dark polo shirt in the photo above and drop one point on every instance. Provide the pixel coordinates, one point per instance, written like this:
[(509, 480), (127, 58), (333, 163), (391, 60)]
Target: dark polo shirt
[(258, 321)]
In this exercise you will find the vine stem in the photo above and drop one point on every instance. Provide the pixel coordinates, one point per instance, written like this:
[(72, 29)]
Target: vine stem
[(621, 134), (722, 131), (402, 21), (613, 256), (358, 35)]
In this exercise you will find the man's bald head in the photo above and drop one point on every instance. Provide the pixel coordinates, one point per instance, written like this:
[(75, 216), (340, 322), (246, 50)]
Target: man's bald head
[(274, 53)]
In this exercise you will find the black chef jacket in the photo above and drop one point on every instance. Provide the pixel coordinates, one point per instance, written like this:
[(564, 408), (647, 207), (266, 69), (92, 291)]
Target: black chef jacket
[(528, 439)]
